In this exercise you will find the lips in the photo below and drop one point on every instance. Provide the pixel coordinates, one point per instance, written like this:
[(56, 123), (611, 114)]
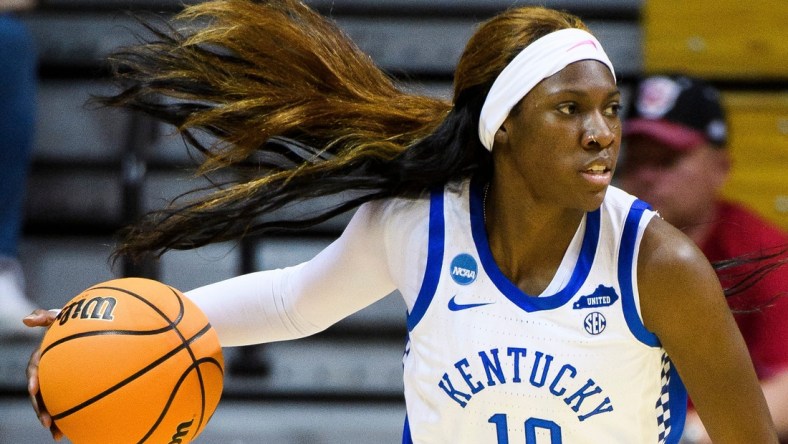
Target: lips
[(597, 169), (597, 166), (598, 173)]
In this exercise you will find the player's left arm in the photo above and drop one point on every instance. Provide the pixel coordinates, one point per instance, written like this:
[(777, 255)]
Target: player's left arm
[(683, 304), (768, 341)]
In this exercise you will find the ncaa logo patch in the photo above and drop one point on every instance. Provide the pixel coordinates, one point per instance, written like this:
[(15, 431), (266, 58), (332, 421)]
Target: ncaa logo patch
[(463, 269), (595, 323)]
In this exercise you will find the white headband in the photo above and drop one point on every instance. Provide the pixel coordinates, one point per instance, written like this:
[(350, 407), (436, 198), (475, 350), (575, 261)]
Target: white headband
[(539, 60)]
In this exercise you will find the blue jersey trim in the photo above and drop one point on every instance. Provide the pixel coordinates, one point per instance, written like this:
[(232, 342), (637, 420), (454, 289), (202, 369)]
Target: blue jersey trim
[(406, 438), (510, 290), (626, 257), (677, 406), (429, 284)]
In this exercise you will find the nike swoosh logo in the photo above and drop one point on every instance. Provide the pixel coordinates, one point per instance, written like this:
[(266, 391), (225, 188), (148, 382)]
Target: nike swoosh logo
[(454, 306)]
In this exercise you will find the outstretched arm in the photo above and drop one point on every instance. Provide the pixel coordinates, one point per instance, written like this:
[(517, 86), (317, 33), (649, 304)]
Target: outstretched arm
[(683, 304), (279, 304), (294, 302)]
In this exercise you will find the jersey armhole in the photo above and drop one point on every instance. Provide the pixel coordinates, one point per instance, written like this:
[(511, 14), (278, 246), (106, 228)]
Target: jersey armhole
[(634, 226), (435, 247)]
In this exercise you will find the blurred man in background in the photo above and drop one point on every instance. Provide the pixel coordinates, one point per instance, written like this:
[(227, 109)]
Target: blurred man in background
[(675, 158)]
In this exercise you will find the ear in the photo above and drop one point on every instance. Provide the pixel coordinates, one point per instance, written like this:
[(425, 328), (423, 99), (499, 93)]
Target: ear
[(501, 136)]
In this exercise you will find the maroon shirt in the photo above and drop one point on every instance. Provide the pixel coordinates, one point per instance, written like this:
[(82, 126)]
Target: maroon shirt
[(761, 311)]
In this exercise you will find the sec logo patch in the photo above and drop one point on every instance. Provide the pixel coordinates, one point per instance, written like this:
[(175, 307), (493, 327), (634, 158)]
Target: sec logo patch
[(595, 323)]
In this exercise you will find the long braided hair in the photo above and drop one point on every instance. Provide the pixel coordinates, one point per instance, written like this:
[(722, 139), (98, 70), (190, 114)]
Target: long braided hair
[(296, 111)]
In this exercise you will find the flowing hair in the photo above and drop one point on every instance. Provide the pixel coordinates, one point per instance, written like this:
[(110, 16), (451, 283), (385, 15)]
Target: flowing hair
[(740, 275), (296, 111)]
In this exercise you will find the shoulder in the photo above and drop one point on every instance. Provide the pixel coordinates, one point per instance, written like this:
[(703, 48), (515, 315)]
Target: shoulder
[(394, 220), (618, 198), (620, 208), (402, 226), (398, 210), (618, 201), (673, 275), (665, 249)]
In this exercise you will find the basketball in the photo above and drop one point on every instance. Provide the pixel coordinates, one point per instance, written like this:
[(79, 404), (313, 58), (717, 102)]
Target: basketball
[(131, 361)]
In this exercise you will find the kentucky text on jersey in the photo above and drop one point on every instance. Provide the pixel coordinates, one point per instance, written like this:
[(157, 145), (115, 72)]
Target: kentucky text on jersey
[(491, 368)]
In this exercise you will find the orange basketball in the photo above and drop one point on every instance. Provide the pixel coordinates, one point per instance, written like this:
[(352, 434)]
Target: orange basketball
[(131, 361)]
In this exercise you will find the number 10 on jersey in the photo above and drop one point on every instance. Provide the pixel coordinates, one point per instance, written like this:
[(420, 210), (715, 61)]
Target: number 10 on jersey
[(531, 426)]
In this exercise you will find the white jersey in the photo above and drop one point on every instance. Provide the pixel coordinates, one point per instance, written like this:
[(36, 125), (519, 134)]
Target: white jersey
[(487, 363)]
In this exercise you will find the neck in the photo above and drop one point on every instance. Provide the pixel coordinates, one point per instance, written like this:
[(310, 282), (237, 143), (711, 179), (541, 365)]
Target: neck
[(527, 240)]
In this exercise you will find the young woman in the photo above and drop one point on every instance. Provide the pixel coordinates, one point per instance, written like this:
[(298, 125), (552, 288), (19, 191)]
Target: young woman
[(543, 302)]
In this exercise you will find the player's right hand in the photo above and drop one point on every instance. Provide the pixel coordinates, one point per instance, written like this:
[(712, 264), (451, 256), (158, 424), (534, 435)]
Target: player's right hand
[(40, 318)]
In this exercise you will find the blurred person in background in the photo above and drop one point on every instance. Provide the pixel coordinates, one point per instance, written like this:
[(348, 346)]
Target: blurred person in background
[(18, 78), (676, 159)]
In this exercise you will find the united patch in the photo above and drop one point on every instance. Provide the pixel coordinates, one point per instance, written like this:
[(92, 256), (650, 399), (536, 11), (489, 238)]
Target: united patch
[(601, 297)]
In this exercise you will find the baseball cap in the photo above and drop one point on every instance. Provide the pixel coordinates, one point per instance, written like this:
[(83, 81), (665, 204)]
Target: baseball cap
[(679, 111)]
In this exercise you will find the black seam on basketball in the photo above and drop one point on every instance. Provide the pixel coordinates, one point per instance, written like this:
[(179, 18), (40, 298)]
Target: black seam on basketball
[(131, 378), (195, 366), (106, 332), (194, 359), (172, 322)]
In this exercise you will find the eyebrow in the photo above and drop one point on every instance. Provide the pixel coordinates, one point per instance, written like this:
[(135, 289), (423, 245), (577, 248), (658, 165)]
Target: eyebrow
[(582, 92)]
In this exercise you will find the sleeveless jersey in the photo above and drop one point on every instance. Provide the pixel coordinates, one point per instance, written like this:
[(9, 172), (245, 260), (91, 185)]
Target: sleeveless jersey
[(487, 363)]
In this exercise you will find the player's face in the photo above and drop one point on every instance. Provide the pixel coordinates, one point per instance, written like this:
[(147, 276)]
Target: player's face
[(550, 151)]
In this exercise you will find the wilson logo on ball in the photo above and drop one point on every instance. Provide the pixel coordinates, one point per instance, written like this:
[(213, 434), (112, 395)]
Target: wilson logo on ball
[(96, 308), (183, 430)]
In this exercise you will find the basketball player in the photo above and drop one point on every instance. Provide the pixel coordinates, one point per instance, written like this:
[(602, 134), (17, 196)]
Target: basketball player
[(544, 305)]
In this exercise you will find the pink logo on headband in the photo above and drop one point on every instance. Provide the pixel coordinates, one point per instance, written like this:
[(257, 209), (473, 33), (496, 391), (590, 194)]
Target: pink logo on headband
[(584, 42)]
